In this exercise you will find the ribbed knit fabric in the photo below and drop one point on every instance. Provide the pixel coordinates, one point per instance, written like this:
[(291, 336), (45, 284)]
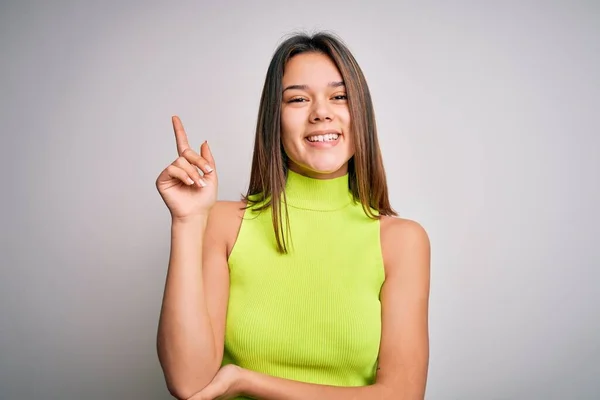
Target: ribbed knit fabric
[(311, 315)]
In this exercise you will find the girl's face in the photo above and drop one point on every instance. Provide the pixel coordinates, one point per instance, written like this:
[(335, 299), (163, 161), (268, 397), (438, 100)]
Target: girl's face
[(315, 120)]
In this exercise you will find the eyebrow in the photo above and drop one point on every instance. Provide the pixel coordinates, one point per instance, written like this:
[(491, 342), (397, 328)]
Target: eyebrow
[(305, 87)]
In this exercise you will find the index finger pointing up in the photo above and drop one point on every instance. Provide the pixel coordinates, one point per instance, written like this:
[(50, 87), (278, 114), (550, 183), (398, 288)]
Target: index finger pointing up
[(180, 135)]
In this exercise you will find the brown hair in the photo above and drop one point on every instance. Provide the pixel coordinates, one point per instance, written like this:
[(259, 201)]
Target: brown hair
[(366, 175)]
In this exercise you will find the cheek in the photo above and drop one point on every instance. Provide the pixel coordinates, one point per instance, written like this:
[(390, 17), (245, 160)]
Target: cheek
[(347, 127), (292, 127), (345, 118), (291, 121), (287, 133), (288, 145)]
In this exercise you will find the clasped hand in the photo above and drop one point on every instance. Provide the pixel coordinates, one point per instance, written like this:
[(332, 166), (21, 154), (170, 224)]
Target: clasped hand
[(225, 385)]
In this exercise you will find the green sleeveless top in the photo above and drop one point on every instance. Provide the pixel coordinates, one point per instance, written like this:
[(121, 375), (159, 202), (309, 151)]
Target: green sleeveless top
[(314, 314)]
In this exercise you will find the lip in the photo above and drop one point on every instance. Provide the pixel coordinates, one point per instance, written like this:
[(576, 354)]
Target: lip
[(323, 132), (323, 145)]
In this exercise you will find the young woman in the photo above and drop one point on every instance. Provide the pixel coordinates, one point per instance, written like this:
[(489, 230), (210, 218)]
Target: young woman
[(309, 287)]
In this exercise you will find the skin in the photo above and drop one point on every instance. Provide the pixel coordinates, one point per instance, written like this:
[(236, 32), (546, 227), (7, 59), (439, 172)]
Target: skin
[(313, 100), (404, 349)]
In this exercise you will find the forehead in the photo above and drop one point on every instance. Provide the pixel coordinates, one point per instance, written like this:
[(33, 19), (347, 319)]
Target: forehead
[(307, 68)]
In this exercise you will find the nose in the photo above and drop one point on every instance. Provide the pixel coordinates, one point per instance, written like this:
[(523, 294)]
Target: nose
[(321, 112)]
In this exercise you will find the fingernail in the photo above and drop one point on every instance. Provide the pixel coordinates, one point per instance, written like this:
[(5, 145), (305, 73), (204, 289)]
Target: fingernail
[(208, 168), (201, 182), (190, 181)]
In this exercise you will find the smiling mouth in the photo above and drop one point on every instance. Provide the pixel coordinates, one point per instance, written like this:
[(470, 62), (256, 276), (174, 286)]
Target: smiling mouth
[(328, 137)]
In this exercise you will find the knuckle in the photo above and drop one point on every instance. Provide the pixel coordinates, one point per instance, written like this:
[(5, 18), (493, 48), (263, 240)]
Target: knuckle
[(190, 156), (173, 170)]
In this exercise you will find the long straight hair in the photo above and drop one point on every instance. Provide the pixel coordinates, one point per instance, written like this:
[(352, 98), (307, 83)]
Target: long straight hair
[(366, 174)]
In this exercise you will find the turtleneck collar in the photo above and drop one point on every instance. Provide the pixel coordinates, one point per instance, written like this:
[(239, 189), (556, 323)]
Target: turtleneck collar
[(317, 194)]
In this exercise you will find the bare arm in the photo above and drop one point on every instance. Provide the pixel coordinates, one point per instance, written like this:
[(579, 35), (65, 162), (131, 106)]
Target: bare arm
[(404, 349), (192, 318), (185, 343)]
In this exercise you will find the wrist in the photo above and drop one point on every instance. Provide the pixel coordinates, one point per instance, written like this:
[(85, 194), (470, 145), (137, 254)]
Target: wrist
[(190, 220), (244, 380), (188, 227)]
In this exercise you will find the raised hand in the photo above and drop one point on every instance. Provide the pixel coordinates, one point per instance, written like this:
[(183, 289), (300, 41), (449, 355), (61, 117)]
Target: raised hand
[(186, 192)]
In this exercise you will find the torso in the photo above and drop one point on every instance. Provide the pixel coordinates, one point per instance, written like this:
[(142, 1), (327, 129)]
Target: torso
[(232, 212)]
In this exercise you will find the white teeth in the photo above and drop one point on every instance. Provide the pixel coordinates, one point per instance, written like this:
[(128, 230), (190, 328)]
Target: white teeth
[(323, 138)]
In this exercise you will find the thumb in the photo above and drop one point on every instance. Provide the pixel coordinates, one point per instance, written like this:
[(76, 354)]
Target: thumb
[(207, 154)]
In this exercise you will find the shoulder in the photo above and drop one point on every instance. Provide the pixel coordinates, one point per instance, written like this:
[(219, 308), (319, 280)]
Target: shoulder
[(224, 222), (402, 229), (227, 209), (405, 244)]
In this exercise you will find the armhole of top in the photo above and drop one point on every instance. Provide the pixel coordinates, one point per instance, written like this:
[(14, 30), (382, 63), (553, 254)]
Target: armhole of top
[(381, 258), (240, 227)]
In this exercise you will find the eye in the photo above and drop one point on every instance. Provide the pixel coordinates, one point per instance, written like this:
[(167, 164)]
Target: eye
[(341, 97), (296, 100)]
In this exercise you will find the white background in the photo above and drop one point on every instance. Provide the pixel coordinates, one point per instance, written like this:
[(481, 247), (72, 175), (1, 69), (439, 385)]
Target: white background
[(488, 120)]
